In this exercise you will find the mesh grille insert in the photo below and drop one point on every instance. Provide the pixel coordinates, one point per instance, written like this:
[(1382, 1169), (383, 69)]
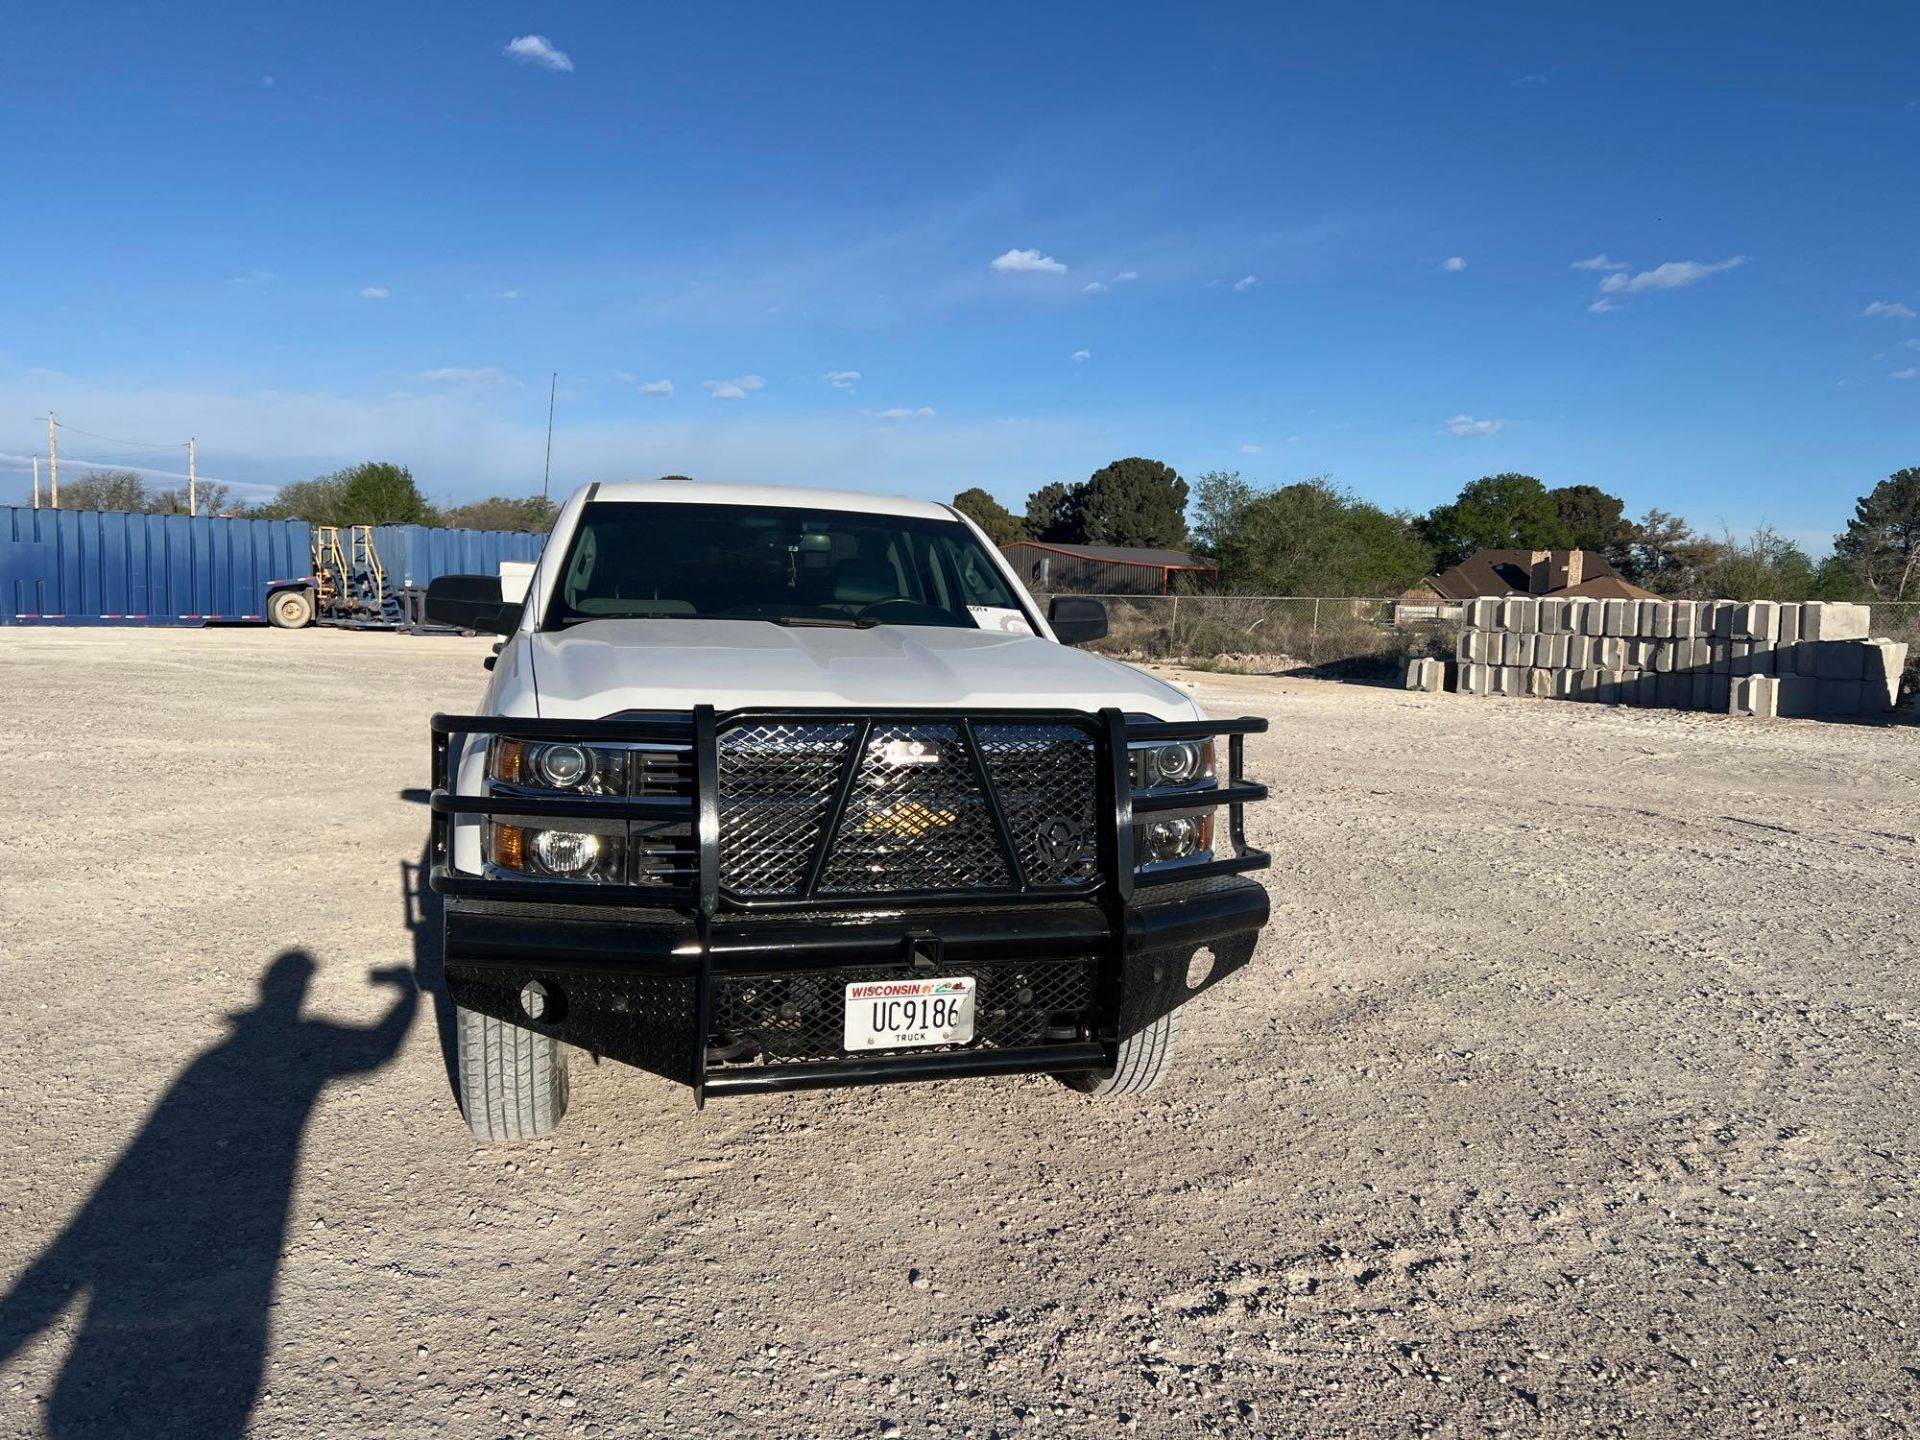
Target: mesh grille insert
[(916, 819), (1043, 775), (802, 1015), (776, 782)]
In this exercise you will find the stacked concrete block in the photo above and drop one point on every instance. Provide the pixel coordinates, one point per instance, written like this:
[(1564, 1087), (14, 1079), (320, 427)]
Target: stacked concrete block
[(1425, 674), (1815, 659)]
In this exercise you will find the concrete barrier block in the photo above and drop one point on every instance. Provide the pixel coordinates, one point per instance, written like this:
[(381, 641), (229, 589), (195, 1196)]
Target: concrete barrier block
[(1656, 619), (1885, 660), (1740, 657), (1566, 684), (1756, 620), (1511, 681), (1721, 691), (1722, 613), (1484, 613), (1834, 620), (1474, 678), (1686, 619), (1622, 617), (1756, 695), (1699, 690), (1799, 696), (1574, 617), (1722, 652), (1839, 697), (1539, 684), (1519, 612), (1606, 690), (1840, 659), (1592, 680), (1671, 691), (1550, 616), (1663, 657), (1593, 619), (1559, 650), (1787, 630), (1423, 673), (1580, 650), (1700, 653)]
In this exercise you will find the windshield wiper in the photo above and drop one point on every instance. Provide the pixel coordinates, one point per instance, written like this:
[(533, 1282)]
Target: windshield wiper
[(823, 622)]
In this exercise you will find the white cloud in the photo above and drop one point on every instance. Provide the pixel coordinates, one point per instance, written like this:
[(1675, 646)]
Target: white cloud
[(661, 388), (509, 294), (375, 292), (538, 50), (1910, 344), (900, 412), (735, 389), (1467, 426), (1027, 261), (1601, 307), (842, 379), (1533, 79), (1250, 450), (1454, 264), (1246, 282), (1673, 275), (266, 82), (1126, 275), (1600, 262), (1080, 357), (1892, 309), (1906, 374), (1093, 287), (457, 375)]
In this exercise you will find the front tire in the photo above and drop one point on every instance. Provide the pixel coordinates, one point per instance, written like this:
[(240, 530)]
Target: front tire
[(290, 609), (513, 1081), (1144, 1060)]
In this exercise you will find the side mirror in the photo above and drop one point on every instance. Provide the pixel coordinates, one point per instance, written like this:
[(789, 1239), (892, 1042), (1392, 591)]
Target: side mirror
[(1076, 619), (471, 602)]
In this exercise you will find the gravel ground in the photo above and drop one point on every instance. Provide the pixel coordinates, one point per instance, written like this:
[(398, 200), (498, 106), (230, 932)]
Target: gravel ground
[(1573, 1090)]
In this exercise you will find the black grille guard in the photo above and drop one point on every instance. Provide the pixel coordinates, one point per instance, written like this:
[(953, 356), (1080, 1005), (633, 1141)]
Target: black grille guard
[(1115, 806)]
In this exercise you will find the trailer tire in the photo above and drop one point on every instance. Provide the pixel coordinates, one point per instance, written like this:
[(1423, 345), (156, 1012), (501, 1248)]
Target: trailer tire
[(290, 609), (513, 1081), (1143, 1062)]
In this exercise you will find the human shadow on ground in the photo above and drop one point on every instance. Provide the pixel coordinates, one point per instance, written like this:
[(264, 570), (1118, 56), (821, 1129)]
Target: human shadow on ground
[(172, 1260)]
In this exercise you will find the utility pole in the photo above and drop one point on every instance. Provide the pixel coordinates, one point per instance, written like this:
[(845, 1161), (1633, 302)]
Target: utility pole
[(53, 457), (36, 482), (547, 474), (193, 493)]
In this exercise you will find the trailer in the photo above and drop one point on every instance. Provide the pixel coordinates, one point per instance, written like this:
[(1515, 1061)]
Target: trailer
[(106, 567)]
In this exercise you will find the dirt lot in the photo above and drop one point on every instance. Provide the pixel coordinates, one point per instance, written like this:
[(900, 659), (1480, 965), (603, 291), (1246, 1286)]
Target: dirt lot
[(1573, 1090)]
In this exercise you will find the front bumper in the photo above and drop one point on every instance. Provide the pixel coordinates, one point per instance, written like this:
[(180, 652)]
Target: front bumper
[(757, 1006)]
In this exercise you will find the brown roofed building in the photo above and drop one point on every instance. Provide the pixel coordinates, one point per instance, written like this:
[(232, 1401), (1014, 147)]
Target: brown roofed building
[(1569, 574)]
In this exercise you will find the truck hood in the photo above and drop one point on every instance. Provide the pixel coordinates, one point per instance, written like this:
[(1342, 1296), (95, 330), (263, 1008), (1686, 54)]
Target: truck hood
[(604, 667)]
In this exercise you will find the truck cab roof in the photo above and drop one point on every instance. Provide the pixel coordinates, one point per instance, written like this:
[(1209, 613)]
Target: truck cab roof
[(786, 497)]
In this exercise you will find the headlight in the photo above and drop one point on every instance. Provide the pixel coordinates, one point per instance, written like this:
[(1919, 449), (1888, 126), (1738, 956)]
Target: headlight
[(1172, 764), (563, 766), (584, 851), (1172, 838)]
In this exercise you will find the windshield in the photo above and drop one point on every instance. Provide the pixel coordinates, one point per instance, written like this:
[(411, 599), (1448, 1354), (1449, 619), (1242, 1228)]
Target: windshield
[(790, 567)]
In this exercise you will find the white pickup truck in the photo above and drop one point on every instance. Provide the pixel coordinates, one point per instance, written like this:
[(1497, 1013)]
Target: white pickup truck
[(775, 788)]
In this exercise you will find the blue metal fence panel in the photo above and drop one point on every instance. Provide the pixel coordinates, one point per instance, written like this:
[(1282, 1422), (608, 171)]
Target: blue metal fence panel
[(107, 567), (412, 555)]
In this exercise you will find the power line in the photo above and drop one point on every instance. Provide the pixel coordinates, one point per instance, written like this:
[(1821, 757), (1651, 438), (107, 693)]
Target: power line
[(154, 445)]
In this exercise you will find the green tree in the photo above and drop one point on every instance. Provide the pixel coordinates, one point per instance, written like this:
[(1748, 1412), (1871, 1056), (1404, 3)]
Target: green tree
[(1881, 544), (105, 490), (1000, 523), (1220, 499), (1593, 520), (1506, 511), (381, 493), (1667, 556), (1313, 538), (320, 501), (534, 514), (1134, 502), (1053, 514), (1765, 566)]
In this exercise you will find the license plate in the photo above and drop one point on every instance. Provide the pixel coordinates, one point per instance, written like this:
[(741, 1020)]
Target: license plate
[(886, 1014)]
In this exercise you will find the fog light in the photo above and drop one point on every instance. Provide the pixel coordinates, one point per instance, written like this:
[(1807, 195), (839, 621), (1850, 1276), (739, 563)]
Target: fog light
[(1170, 839), (565, 852)]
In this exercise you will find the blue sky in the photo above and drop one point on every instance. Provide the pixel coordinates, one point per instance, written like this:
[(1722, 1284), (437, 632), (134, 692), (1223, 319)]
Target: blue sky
[(1286, 240)]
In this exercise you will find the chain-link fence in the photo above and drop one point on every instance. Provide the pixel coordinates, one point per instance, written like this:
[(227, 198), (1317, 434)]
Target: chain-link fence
[(1270, 632)]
